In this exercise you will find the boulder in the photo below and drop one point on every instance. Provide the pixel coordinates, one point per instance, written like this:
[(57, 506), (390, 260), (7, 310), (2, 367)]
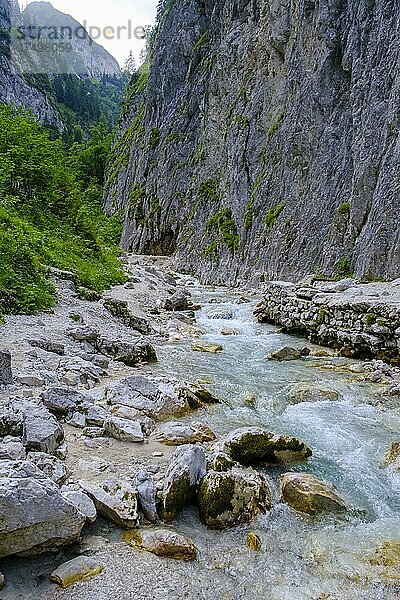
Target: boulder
[(167, 543), (116, 500), (30, 380), (158, 397), (146, 489), (5, 368), (11, 419), (285, 354), (176, 433), (178, 301), (12, 449), (83, 334), (222, 312), (80, 568), (120, 309), (126, 412), (306, 493), (219, 461), (303, 392), (226, 331), (63, 401), (202, 346), (48, 346), (36, 518), (124, 430), (254, 445), (129, 353), (83, 503), (96, 415), (185, 470), (229, 498), (41, 431), (50, 465)]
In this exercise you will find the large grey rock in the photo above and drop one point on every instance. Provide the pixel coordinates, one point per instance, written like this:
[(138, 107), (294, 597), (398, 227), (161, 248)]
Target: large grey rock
[(83, 503), (178, 301), (116, 500), (120, 309), (11, 419), (54, 468), (304, 392), (124, 429), (185, 470), (35, 516), (129, 353), (63, 400), (176, 433), (254, 445), (12, 449), (146, 488), (230, 498), (158, 397), (41, 432)]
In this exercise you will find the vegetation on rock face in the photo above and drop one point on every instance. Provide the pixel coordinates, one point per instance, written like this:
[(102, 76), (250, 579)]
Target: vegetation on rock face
[(50, 213), (272, 215), (224, 224)]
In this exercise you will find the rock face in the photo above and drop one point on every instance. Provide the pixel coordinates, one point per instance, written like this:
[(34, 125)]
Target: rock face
[(36, 518), (186, 469), (254, 445), (243, 96), (358, 319), (305, 493), (230, 498)]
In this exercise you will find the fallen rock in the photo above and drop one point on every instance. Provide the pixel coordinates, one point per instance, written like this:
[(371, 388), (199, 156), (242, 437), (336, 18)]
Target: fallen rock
[(219, 461), (11, 419), (41, 431), (254, 445), (116, 500), (124, 430), (253, 541), (229, 498), (306, 493), (12, 450), (48, 346), (119, 309), (126, 412), (62, 400), (176, 433), (50, 465), (30, 380), (307, 393), (36, 518), (167, 543), (146, 489), (178, 301), (80, 568), (5, 368), (287, 353), (185, 470), (129, 353), (96, 415), (83, 334), (158, 397), (83, 503), (220, 313), (201, 346)]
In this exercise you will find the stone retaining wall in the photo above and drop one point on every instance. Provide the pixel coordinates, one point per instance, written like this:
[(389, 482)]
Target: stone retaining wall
[(360, 320)]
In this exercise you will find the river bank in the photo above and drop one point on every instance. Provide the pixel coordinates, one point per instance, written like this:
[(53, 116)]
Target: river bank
[(349, 423)]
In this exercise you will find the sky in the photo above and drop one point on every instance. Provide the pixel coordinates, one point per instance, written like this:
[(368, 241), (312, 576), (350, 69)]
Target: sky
[(111, 13)]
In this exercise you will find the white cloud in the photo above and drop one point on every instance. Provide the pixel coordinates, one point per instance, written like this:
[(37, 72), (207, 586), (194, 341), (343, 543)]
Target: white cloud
[(117, 13)]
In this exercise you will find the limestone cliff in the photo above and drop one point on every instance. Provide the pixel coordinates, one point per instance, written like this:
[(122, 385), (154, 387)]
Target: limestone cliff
[(264, 141)]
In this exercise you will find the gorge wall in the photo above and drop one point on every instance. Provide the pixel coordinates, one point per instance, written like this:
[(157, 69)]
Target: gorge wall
[(261, 140)]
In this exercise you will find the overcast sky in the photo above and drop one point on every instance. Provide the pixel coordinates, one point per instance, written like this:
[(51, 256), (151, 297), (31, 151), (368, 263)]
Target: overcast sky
[(114, 13)]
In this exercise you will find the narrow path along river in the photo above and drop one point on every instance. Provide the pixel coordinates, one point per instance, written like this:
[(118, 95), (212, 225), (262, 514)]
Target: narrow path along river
[(352, 556)]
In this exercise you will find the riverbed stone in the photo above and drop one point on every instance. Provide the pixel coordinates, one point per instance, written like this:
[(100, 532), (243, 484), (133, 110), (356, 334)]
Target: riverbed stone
[(115, 499), (50, 465), (229, 498), (167, 543), (222, 312), (12, 449), (177, 302), (176, 433), (124, 429), (83, 503), (41, 431), (129, 353), (304, 392), (5, 368), (159, 397), (185, 470), (62, 400), (80, 568), (202, 346), (254, 445), (36, 518), (287, 353), (306, 493), (144, 483), (392, 455), (48, 345), (121, 310)]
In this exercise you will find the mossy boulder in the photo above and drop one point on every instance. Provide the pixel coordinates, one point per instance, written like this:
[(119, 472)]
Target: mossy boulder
[(220, 462), (254, 445), (306, 493), (229, 498), (185, 471)]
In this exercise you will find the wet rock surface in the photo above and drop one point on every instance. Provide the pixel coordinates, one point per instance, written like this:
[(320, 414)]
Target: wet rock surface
[(306, 493)]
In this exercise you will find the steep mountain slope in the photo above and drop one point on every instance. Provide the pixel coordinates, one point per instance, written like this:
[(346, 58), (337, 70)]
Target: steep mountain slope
[(264, 141)]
